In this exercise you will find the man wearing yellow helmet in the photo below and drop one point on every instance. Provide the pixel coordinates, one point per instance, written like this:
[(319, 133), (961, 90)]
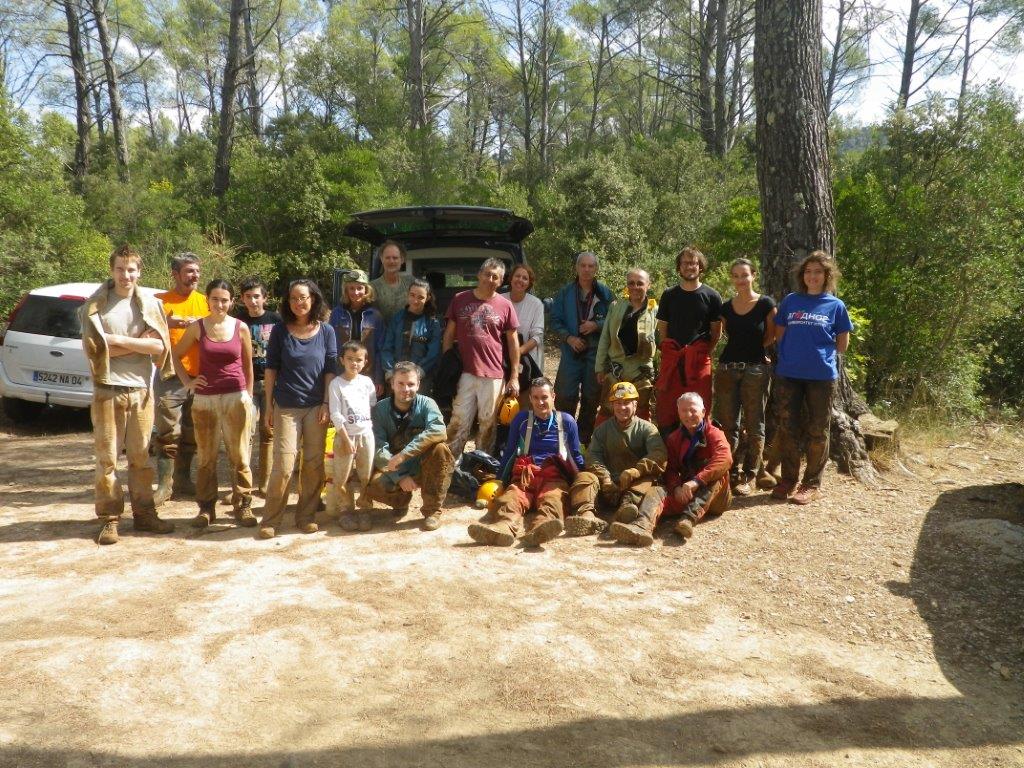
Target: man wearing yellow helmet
[(626, 349), (625, 459)]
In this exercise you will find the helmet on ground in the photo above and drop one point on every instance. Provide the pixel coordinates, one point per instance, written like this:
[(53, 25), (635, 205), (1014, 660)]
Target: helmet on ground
[(508, 410), (623, 390), (488, 492)]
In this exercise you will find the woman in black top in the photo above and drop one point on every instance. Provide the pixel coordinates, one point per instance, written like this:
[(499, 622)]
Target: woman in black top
[(741, 379)]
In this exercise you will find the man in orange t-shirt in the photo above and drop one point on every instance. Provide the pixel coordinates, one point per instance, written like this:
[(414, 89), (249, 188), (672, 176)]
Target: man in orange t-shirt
[(175, 442)]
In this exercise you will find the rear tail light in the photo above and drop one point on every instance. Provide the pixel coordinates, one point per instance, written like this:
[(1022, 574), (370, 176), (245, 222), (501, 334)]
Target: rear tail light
[(10, 317)]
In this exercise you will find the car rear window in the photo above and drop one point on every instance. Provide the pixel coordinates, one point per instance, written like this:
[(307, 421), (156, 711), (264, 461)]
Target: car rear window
[(49, 316)]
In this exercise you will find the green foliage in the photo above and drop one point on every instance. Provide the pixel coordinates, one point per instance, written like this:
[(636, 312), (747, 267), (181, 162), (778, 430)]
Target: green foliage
[(45, 236), (931, 241)]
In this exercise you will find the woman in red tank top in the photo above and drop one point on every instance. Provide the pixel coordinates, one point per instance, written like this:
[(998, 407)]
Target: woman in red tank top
[(222, 407)]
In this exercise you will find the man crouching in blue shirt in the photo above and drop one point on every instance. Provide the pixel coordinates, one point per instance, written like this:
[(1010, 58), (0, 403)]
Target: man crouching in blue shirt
[(411, 454), (541, 458)]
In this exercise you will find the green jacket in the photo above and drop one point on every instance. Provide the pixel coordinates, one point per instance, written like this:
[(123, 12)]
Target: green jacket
[(95, 345), (609, 348), (426, 428), (613, 450)]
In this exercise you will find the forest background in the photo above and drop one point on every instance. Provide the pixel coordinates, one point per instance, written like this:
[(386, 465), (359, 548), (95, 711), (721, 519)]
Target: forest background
[(249, 130)]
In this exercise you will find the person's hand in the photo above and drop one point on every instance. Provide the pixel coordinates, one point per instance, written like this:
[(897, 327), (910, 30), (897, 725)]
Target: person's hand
[(576, 343), (324, 416), (395, 462), (512, 387), (628, 477), (380, 390), (268, 419), (346, 445), (684, 493), (587, 327), (407, 484), (601, 377), (609, 491), (197, 383)]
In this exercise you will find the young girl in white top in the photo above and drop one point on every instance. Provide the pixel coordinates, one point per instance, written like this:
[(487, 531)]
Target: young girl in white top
[(351, 398)]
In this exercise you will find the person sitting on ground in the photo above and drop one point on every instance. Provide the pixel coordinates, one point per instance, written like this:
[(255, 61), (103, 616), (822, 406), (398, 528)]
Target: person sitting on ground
[(541, 457), (627, 346), (411, 453), (696, 481), (414, 334), (352, 397), (625, 459)]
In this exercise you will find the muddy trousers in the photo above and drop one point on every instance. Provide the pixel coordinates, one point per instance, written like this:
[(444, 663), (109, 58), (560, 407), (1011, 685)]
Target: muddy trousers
[(228, 418), (295, 428), (122, 417), (173, 420), (793, 395), (476, 400), (436, 467), (350, 469), (742, 392), (547, 494), (585, 495), (262, 437)]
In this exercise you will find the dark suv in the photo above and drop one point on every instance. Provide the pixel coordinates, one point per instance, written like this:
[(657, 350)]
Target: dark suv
[(445, 244)]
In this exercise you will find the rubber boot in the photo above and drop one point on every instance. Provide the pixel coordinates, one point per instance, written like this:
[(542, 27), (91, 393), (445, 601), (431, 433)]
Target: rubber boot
[(640, 532), (164, 481), (183, 487)]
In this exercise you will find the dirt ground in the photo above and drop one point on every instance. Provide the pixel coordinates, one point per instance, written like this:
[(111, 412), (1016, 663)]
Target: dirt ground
[(874, 628)]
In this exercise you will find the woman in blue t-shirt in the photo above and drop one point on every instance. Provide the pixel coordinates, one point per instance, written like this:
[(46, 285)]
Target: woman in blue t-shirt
[(302, 359), (812, 326), (741, 377)]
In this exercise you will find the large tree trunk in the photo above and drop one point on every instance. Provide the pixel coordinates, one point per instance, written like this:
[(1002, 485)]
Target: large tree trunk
[(794, 175), (251, 81), (83, 122), (99, 12), (229, 87), (909, 53), (414, 20)]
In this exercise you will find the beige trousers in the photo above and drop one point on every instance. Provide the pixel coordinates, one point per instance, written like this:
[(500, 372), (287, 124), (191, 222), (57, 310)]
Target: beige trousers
[(226, 417), (122, 417), (295, 427)]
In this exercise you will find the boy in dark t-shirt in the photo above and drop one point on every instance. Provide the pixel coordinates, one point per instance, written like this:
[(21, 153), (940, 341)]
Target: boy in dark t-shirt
[(260, 321), (689, 326)]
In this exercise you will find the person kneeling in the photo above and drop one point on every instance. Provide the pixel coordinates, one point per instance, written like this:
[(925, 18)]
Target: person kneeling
[(411, 454), (625, 458), (696, 480), (542, 455)]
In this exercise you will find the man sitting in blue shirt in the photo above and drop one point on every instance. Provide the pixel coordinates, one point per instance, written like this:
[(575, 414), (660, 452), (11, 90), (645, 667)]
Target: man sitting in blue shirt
[(540, 460)]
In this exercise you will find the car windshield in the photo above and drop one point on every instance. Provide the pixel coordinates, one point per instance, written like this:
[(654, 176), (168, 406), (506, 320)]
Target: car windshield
[(49, 316)]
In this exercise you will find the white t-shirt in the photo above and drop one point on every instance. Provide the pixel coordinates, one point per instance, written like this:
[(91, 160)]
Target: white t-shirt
[(531, 325), (351, 403)]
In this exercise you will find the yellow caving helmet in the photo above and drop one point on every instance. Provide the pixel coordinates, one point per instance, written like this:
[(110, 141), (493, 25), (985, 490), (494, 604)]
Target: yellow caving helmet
[(623, 390), (508, 410), (489, 491)]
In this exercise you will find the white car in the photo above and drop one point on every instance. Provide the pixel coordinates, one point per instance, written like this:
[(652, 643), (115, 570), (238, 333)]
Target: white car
[(41, 358)]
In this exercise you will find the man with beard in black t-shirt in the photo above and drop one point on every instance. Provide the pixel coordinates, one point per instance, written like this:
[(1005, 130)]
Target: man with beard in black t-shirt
[(689, 326)]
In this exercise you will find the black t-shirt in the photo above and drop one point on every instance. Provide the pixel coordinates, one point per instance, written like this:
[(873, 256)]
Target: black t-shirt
[(689, 314), (259, 327), (628, 335), (745, 333)]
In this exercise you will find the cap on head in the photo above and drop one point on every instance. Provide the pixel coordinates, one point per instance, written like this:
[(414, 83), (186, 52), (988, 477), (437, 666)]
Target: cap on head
[(623, 390), (356, 276)]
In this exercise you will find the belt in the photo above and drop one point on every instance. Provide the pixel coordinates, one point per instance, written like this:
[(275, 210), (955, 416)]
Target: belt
[(742, 366), (120, 388)]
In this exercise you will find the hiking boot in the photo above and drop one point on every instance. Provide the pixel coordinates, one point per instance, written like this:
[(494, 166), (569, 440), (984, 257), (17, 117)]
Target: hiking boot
[(348, 522), (432, 522), (244, 515), (627, 512), (399, 512), (684, 528), (207, 514), (742, 488), (635, 534), (805, 494), (364, 522), (309, 527), (266, 532), (782, 490), (182, 486), (766, 480), (108, 533), (148, 521), (544, 532), (494, 534), (164, 475), (584, 524)]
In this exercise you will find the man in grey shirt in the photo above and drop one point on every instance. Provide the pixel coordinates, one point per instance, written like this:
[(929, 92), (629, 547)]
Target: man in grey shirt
[(123, 332)]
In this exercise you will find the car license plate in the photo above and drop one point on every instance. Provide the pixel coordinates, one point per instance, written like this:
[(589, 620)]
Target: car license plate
[(65, 379)]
